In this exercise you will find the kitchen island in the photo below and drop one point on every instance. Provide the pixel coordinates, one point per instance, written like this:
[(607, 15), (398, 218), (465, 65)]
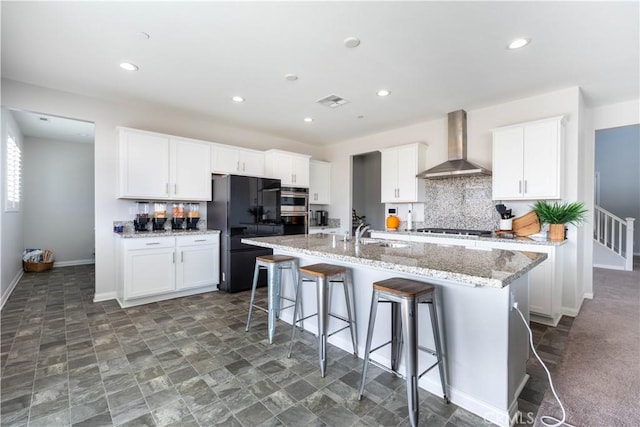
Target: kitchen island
[(486, 341)]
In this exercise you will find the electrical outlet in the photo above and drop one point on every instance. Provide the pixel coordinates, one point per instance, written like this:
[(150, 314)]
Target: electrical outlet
[(512, 300)]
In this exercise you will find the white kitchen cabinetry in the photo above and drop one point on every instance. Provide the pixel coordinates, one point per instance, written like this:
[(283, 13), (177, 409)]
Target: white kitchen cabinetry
[(195, 265), (292, 169), (545, 280), (152, 269), (149, 267), (319, 182), (234, 160), (162, 167), (400, 165), (527, 160)]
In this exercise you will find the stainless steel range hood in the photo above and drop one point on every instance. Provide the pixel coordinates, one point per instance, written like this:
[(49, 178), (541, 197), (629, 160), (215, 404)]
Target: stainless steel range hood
[(457, 165)]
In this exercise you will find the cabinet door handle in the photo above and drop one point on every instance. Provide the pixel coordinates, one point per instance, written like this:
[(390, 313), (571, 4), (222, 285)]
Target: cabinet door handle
[(520, 186), (166, 188), (151, 244), (181, 256), (175, 188), (525, 186), (243, 165), (238, 165), (173, 257)]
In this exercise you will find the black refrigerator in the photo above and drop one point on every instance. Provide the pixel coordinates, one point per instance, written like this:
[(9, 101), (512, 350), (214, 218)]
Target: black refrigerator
[(243, 206)]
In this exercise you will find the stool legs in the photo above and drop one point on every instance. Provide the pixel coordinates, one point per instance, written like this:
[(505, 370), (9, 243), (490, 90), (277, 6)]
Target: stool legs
[(348, 297), (273, 292), (323, 321), (410, 335), (256, 271), (367, 347), (439, 349), (274, 288)]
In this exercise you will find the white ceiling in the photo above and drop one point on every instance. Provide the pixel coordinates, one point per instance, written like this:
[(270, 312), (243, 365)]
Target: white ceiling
[(434, 57), (45, 126)]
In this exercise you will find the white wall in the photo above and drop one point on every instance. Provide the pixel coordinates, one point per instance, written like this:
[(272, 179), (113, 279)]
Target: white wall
[(59, 199), (106, 117), (618, 162), (479, 124), (10, 222)]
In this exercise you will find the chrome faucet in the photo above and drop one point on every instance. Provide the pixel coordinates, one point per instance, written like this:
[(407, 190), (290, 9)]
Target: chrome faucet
[(360, 231)]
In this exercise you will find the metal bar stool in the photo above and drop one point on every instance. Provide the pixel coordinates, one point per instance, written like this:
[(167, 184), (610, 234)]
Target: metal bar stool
[(274, 264), (406, 294), (324, 275)]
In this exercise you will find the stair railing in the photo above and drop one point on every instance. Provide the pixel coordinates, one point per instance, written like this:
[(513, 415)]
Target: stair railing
[(614, 233)]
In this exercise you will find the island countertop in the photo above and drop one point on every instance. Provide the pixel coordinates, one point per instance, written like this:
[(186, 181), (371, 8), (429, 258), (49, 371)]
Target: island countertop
[(467, 266)]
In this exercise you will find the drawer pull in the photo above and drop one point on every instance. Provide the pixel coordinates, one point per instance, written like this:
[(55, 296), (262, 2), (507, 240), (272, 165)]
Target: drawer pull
[(200, 240), (154, 243)]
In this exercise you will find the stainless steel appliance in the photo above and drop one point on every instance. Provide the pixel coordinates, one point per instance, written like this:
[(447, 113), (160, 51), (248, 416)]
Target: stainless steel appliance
[(243, 206), (294, 204), (322, 218), (458, 231), (457, 165)]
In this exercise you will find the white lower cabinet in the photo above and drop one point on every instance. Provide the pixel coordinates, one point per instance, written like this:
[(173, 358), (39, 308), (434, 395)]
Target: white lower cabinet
[(545, 280), (158, 268), (195, 267)]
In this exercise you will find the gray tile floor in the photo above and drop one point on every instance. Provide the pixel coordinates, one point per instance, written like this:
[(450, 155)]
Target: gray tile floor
[(188, 362)]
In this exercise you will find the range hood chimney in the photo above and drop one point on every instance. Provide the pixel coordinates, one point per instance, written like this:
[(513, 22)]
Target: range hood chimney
[(457, 165)]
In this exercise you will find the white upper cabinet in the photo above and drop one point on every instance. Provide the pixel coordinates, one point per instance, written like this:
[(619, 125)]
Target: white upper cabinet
[(157, 166), (189, 170), (319, 182), (234, 160), (400, 165), (527, 160), (291, 168)]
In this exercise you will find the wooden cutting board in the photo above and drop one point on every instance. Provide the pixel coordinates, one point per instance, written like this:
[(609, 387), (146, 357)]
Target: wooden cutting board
[(526, 224)]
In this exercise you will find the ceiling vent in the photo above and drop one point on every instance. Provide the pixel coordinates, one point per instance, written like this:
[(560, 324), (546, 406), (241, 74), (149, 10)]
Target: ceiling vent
[(332, 101)]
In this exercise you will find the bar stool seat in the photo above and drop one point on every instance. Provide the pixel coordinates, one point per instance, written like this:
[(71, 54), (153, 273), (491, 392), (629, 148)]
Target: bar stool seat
[(406, 294), (274, 264), (324, 275)]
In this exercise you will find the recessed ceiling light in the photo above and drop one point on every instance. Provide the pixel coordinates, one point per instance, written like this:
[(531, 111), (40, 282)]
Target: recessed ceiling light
[(308, 119), (351, 42), (291, 77), (518, 43), (238, 99), (383, 92), (129, 66)]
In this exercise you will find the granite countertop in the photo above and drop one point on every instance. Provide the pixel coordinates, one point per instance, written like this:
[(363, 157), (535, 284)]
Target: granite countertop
[(466, 266), (493, 238), (168, 233)]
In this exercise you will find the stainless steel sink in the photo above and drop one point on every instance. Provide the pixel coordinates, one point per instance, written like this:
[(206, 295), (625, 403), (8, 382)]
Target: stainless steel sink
[(394, 245)]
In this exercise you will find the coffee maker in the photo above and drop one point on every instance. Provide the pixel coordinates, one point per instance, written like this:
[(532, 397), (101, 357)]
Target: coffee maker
[(322, 218)]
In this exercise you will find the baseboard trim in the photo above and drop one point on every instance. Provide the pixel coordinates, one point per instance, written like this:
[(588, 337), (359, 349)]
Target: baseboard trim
[(11, 287), (74, 262), (588, 295), (609, 267), (104, 296), (572, 312)]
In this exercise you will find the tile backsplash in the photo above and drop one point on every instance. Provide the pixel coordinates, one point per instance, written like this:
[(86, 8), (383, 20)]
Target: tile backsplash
[(460, 203)]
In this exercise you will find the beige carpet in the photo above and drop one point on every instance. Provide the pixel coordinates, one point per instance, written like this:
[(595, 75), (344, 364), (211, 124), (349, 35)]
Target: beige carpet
[(598, 376)]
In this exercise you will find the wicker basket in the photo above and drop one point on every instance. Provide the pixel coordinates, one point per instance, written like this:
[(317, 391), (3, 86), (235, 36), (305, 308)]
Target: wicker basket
[(36, 267)]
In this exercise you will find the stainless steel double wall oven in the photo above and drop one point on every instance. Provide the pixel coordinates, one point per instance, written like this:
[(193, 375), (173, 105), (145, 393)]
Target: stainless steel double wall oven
[(294, 209)]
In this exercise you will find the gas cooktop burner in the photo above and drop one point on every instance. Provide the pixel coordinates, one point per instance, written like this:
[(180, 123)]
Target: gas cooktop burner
[(455, 231)]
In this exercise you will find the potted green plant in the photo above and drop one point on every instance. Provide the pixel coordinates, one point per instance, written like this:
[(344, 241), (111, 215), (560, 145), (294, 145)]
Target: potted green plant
[(558, 214)]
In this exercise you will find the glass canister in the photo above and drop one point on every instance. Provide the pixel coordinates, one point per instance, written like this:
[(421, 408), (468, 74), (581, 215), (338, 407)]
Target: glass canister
[(159, 210), (177, 210), (194, 210), (143, 210)]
